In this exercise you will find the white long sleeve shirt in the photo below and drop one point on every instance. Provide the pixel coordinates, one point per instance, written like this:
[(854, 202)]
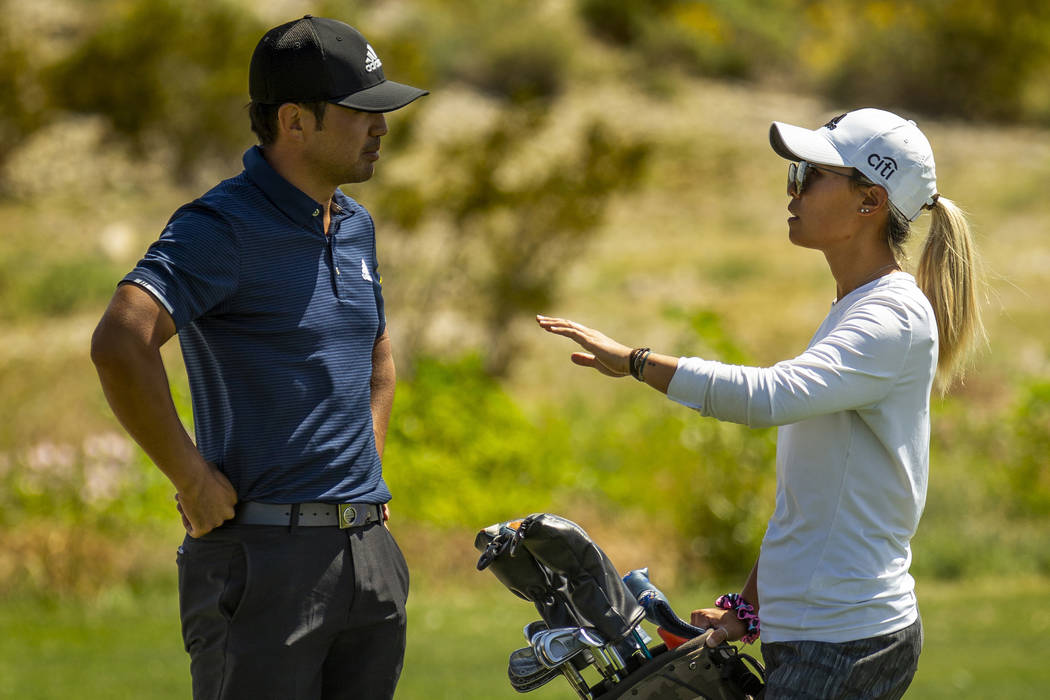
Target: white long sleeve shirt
[(852, 461)]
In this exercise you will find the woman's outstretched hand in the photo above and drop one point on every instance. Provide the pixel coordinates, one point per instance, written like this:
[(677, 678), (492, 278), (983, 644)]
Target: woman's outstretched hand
[(603, 353)]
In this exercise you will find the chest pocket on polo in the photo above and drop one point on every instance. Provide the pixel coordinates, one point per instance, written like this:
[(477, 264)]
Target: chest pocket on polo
[(353, 278), (351, 275)]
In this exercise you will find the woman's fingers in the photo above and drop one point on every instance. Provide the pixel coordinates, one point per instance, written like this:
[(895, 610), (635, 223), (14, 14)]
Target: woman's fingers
[(582, 335), (717, 636), (585, 359), (603, 353), (587, 337), (549, 321), (701, 618), (561, 326)]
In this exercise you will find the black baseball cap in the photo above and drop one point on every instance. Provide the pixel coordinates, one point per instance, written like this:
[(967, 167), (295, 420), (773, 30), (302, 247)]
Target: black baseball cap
[(314, 59)]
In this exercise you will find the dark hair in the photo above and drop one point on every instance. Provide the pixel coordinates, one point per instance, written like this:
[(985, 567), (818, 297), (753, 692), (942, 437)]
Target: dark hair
[(263, 119)]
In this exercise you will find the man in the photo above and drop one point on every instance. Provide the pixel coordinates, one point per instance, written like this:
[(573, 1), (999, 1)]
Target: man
[(290, 584)]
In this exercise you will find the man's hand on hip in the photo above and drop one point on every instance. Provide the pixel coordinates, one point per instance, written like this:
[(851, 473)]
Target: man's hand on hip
[(208, 503)]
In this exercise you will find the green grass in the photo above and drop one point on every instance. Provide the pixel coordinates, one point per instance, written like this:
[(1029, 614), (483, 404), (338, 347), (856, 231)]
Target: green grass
[(124, 645), (118, 646)]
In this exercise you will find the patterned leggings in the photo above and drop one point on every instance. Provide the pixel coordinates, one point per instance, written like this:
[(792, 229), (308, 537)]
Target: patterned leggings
[(877, 668)]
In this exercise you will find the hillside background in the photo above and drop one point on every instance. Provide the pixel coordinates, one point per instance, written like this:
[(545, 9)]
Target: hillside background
[(606, 161)]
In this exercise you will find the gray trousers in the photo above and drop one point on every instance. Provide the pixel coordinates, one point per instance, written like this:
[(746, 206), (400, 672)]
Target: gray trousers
[(310, 613), (877, 668)]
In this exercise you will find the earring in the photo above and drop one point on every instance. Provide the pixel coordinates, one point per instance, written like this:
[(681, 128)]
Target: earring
[(865, 211)]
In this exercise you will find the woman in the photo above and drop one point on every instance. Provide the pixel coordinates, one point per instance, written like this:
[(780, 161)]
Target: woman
[(838, 613)]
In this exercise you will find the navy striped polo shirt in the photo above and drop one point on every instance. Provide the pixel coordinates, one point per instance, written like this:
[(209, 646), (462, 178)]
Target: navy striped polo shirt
[(277, 323)]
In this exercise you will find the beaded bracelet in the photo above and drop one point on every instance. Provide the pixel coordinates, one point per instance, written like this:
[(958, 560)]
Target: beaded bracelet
[(745, 612)]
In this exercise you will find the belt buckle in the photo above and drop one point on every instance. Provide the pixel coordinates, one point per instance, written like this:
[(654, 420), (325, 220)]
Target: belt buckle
[(347, 516)]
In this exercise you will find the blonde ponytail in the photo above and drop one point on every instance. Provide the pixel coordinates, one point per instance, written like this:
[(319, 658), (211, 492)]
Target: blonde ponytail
[(949, 276)]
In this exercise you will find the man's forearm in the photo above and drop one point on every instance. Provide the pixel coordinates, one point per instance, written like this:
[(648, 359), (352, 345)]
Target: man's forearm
[(126, 351), (136, 386), (384, 378)]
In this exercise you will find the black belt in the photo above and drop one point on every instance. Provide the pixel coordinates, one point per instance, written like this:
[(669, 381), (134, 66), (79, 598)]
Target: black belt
[(309, 514)]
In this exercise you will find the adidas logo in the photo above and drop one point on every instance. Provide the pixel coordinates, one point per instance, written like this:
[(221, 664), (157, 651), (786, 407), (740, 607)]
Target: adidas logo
[(372, 61)]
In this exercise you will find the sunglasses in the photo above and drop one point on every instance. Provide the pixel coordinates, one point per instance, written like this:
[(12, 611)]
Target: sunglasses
[(797, 173)]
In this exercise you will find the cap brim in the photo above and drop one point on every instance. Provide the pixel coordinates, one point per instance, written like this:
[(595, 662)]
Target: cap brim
[(384, 97), (796, 143)]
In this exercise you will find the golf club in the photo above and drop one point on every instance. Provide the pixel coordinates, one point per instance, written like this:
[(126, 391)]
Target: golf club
[(526, 672)]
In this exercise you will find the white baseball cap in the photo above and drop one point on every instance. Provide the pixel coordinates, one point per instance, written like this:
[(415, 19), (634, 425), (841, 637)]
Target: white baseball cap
[(889, 150)]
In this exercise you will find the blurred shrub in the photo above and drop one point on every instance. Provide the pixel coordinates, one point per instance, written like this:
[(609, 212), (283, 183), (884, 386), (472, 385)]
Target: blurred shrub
[(460, 452), (1003, 456), (504, 49), (165, 71), (173, 74), (1028, 470), (79, 517), (708, 335), (26, 46), (21, 101), (989, 496), (720, 38), (711, 482), (965, 58), (623, 23), (102, 481), (80, 514), (521, 61), (35, 288), (514, 219)]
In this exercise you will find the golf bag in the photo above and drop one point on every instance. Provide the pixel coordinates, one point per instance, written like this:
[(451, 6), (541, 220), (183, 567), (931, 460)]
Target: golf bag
[(591, 617)]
